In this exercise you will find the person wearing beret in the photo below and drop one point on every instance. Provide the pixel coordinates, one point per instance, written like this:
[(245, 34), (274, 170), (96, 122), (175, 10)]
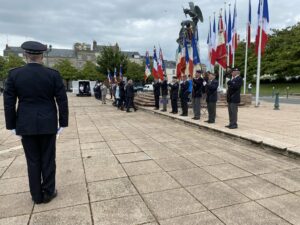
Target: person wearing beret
[(197, 94), (38, 92), (174, 85), (234, 97), (211, 97)]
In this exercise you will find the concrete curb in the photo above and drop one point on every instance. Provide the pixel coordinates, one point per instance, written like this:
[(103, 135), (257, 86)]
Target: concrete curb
[(290, 151)]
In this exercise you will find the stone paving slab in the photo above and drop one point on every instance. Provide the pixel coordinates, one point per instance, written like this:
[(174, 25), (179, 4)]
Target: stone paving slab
[(286, 206), (145, 169), (248, 214)]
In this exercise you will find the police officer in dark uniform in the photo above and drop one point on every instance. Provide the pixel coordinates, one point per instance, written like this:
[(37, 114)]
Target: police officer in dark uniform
[(122, 94), (39, 91), (234, 97), (211, 97), (156, 90), (130, 96), (174, 85), (184, 95), (197, 94)]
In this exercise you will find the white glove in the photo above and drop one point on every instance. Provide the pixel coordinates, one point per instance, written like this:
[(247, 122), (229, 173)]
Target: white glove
[(60, 130), (204, 83), (13, 131)]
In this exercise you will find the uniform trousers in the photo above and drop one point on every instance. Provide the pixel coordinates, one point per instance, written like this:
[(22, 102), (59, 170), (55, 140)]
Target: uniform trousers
[(40, 156), (156, 98), (196, 107), (174, 105), (211, 108), (233, 113), (184, 105)]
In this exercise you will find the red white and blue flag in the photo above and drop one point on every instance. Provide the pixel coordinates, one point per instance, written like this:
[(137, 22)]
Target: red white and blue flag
[(249, 25), (234, 31), (147, 66), (214, 44), (155, 65), (221, 53), (263, 20), (115, 73), (189, 69), (161, 65)]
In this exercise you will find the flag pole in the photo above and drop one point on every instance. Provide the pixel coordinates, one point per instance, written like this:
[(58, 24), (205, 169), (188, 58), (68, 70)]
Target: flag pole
[(259, 54), (228, 45), (246, 59)]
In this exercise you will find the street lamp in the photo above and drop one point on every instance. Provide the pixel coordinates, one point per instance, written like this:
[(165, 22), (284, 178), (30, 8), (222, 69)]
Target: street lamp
[(47, 54)]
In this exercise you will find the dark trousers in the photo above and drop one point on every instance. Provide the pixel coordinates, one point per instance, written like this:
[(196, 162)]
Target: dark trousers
[(197, 107), (184, 105), (121, 103), (211, 108), (174, 105), (156, 98), (130, 103), (40, 157), (233, 113)]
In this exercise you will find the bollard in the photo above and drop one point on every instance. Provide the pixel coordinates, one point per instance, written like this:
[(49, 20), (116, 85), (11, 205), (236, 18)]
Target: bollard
[(273, 91), (287, 92), (276, 105)]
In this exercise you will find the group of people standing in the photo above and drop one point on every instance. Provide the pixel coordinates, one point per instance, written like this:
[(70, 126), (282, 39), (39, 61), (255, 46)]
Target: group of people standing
[(121, 93), (203, 87)]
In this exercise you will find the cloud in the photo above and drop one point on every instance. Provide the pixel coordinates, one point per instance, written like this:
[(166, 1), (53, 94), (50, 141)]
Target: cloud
[(135, 25)]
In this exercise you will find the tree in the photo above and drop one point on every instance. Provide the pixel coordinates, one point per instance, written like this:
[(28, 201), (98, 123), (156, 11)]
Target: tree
[(90, 72), (67, 70), (135, 71), (9, 63), (111, 57)]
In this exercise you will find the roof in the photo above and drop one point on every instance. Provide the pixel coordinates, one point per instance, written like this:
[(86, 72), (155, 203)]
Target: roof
[(62, 53), (130, 54)]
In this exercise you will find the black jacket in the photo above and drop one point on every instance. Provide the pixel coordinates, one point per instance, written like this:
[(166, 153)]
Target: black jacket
[(212, 91), (197, 88), (164, 88), (122, 89), (129, 91), (174, 90), (184, 89), (38, 90), (156, 88), (234, 90)]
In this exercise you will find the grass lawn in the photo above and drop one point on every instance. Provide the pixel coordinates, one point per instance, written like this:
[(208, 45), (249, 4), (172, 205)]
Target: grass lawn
[(267, 89)]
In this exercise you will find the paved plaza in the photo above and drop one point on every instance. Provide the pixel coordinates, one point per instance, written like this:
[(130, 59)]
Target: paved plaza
[(138, 168)]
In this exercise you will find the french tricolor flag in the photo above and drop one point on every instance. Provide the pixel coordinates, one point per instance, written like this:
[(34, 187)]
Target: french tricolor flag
[(155, 65), (263, 20), (249, 25)]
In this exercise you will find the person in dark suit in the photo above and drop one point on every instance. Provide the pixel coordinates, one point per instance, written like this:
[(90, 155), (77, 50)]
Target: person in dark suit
[(184, 95), (156, 90), (174, 95), (164, 93), (122, 94), (211, 97), (197, 94), (234, 97), (130, 96), (39, 91)]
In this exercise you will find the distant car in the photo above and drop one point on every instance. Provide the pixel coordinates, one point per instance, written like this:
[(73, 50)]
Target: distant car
[(138, 88), (148, 87)]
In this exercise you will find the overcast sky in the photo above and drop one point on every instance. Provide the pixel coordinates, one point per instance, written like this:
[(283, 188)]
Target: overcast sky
[(136, 25)]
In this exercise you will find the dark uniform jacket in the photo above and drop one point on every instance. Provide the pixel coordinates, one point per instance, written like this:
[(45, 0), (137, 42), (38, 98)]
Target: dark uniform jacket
[(234, 90), (122, 89), (156, 88), (38, 89), (174, 90), (197, 87), (129, 91), (164, 88), (212, 91), (184, 90)]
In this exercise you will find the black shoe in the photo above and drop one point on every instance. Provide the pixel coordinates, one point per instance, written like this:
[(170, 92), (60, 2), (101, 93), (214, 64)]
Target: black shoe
[(211, 121), (228, 126), (175, 112), (233, 127), (196, 118), (135, 109), (163, 110), (183, 115), (156, 108), (128, 111), (48, 198), (37, 201), (171, 112)]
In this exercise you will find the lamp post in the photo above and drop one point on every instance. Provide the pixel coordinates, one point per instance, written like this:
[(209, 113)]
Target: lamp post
[(47, 54)]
